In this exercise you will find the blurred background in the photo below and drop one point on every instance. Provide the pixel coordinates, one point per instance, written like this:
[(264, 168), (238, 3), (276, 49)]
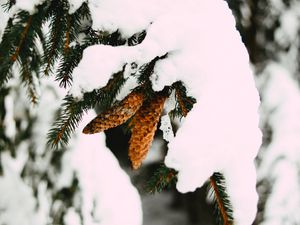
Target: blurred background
[(31, 174)]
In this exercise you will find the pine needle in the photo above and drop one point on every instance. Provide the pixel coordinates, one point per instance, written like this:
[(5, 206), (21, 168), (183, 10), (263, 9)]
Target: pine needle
[(222, 204), (23, 37), (162, 179)]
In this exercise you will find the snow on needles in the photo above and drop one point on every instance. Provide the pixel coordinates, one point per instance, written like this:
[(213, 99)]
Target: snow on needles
[(106, 188), (280, 159), (28, 5), (17, 202), (205, 52), (3, 18)]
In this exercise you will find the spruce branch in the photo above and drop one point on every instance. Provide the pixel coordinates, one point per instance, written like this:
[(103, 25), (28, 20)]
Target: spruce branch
[(74, 54), (58, 12), (71, 115), (30, 80), (222, 203), (144, 73), (184, 103), (136, 38), (7, 6), (29, 63), (76, 24), (147, 70), (64, 29), (162, 179), (71, 60), (67, 41), (67, 65), (73, 110), (19, 42), (8, 43), (22, 39)]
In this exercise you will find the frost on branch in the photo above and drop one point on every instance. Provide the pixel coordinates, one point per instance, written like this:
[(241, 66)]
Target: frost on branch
[(221, 132)]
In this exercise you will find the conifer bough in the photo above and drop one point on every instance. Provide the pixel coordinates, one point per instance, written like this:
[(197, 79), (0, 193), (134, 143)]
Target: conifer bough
[(18, 47)]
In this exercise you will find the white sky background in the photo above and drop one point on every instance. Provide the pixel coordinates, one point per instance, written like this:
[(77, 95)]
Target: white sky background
[(226, 98)]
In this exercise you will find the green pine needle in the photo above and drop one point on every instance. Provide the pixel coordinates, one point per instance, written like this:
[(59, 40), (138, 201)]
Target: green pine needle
[(184, 103), (222, 204), (73, 110), (162, 179)]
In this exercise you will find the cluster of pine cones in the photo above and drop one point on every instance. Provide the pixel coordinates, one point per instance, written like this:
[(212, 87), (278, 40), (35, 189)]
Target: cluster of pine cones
[(145, 114)]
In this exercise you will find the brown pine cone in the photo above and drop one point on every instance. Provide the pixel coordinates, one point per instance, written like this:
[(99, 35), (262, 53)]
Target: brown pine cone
[(116, 115), (144, 124)]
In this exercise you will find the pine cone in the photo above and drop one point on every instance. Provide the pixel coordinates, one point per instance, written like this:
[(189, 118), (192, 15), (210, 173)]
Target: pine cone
[(116, 115), (144, 125)]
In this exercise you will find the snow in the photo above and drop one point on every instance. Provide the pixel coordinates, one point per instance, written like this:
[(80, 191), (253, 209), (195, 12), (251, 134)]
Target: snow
[(287, 32), (280, 159), (284, 195), (277, 5), (72, 218), (3, 18), (99, 174), (130, 75), (102, 182), (16, 164), (170, 103), (280, 93), (222, 128), (99, 62), (74, 5), (9, 122), (19, 205), (112, 15), (166, 128), (106, 188), (45, 112), (28, 5), (282, 106), (16, 195), (241, 187)]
